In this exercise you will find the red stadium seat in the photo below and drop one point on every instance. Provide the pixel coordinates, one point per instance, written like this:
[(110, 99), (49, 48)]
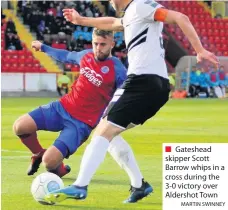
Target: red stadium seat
[(36, 62), (223, 40), (23, 59), (10, 53), (216, 32), (5, 66), (21, 69), (202, 24), (4, 69), (189, 10), (14, 68), (201, 17), (226, 26), (219, 53), (21, 52), (182, 10), (224, 47), (218, 46), (205, 46), (222, 33), (217, 40), (9, 69), (193, 53), (75, 68), (203, 32), (68, 66), (221, 25), (209, 25), (186, 45), (215, 24), (179, 37), (212, 47), (13, 61), (35, 69), (28, 53), (27, 69), (171, 29), (197, 25), (5, 59), (42, 70), (210, 32), (211, 39)]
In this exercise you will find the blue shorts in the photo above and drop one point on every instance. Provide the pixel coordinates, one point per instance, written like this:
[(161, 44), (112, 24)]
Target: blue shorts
[(53, 117)]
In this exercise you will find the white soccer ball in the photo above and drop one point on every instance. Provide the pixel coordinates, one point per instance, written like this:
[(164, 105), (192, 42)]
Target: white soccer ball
[(44, 184)]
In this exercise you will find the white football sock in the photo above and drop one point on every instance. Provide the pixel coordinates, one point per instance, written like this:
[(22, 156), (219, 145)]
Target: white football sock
[(124, 156), (93, 156)]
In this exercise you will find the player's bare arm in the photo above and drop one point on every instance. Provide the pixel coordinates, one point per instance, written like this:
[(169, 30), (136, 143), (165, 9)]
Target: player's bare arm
[(103, 23), (186, 26)]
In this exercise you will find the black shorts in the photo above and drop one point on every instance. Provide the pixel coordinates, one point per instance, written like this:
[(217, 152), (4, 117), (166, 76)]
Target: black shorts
[(140, 97)]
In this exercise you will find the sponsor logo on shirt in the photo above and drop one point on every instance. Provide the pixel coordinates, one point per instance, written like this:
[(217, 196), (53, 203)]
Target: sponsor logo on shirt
[(92, 76)]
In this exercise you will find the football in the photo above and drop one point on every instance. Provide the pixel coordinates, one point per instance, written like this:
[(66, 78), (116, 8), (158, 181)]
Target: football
[(44, 184)]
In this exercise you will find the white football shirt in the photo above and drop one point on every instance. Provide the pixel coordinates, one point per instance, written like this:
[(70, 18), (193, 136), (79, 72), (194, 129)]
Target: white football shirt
[(143, 38)]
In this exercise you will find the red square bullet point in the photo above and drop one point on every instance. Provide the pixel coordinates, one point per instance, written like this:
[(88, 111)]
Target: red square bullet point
[(168, 149)]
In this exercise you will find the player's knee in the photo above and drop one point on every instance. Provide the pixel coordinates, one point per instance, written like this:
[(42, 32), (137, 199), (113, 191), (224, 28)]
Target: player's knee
[(52, 158), (24, 125), (107, 130), (49, 163), (18, 127)]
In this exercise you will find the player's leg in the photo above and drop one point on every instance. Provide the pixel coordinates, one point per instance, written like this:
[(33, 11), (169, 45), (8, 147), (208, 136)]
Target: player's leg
[(122, 153), (126, 160), (53, 161), (131, 108), (73, 133), (42, 118), (71, 137), (88, 165), (25, 128)]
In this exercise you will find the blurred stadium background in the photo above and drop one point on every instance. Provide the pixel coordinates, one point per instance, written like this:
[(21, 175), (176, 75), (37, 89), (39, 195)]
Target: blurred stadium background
[(25, 72)]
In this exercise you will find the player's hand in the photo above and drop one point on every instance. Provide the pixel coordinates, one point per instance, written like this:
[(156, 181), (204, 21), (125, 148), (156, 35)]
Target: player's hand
[(36, 45), (72, 16), (206, 55)]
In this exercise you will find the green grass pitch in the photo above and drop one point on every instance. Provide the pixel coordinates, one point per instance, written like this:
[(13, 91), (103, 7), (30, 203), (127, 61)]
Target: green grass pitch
[(184, 121)]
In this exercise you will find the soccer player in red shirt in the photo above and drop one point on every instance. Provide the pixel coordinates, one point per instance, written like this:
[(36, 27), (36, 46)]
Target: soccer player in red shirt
[(78, 112)]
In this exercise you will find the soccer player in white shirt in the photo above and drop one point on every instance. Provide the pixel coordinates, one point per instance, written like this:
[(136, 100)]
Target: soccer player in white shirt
[(146, 89)]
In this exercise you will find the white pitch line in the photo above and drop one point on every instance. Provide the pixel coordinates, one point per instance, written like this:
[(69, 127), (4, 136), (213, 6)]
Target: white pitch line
[(17, 151)]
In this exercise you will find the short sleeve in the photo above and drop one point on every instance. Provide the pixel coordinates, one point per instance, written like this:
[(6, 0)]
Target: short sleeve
[(147, 8)]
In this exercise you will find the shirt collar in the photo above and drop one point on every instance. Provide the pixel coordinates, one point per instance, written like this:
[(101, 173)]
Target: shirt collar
[(128, 5)]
